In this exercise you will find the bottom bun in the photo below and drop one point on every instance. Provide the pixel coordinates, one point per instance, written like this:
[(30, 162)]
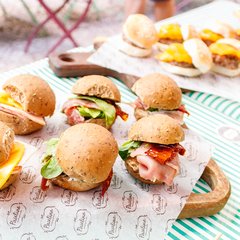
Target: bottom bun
[(134, 51), (188, 72), (98, 121), (13, 177), (132, 167), (226, 71), (65, 182), (20, 126)]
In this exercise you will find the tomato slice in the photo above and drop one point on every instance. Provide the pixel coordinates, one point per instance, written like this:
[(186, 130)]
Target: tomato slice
[(106, 183), (44, 184)]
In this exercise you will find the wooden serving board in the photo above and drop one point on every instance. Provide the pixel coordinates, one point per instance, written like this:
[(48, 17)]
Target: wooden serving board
[(197, 205)]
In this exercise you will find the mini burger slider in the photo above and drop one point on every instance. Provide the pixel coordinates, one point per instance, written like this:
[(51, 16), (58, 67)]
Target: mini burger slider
[(11, 154), (226, 56), (158, 94), (26, 100), (174, 33), (139, 35), (190, 59), (95, 102), (81, 159), (151, 155)]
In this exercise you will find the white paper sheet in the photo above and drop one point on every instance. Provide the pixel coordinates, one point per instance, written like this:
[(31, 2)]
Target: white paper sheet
[(110, 57), (129, 210)]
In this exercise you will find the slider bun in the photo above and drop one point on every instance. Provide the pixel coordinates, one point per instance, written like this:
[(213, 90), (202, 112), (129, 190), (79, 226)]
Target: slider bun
[(13, 177), (33, 93), (230, 41), (20, 126), (132, 167), (158, 91), (226, 71), (188, 72), (188, 31), (140, 113), (140, 30), (221, 28), (87, 152), (74, 185), (200, 54), (133, 51), (98, 121), (98, 86), (157, 128), (6, 142)]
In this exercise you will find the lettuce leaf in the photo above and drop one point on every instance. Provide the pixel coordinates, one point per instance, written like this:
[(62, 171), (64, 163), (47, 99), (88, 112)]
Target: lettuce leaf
[(127, 147), (90, 112), (50, 168), (108, 110)]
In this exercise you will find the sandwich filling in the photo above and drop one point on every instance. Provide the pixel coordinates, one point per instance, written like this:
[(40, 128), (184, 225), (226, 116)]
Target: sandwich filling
[(176, 54), (176, 114), (10, 106), (11, 165), (209, 36), (225, 55), (83, 108), (154, 162), (170, 33), (51, 169)]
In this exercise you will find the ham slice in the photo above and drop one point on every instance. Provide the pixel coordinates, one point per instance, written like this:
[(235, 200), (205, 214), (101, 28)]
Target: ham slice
[(75, 102), (139, 104), (140, 150), (73, 116), (150, 169), (22, 114)]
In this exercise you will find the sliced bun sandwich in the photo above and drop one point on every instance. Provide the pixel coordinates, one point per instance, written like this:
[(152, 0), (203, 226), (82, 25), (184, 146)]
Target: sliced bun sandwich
[(174, 33), (152, 153), (190, 59), (138, 37), (81, 159), (158, 94), (26, 100), (95, 102), (11, 154), (226, 57)]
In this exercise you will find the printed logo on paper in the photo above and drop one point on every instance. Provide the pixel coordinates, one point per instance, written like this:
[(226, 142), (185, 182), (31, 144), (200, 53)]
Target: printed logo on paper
[(130, 201), (49, 218), (36, 142), (28, 174), (183, 200), (52, 130), (143, 227), (7, 193), (69, 197), (171, 189), (113, 225), (98, 200), (183, 171), (159, 204), (191, 152), (142, 186), (229, 133), (16, 215), (82, 221), (62, 238), (37, 195), (169, 225), (202, 166), (28, 236), (116, 181)]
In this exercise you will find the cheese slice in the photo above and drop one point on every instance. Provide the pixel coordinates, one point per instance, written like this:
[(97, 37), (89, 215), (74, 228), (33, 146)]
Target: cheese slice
[(207, 34), (175, 53), (170, 31), (8, 100), (7, 168), (224, 49)]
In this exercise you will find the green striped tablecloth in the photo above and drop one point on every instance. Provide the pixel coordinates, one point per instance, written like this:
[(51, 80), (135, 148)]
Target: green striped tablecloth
[(214, 118)]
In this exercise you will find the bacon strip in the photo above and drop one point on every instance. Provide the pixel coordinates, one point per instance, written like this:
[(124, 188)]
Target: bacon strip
[(183, 109), (120, 113), (107, 183), (22, 114)]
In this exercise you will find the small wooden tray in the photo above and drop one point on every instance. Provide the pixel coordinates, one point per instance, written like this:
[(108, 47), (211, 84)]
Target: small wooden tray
[(197, 205)]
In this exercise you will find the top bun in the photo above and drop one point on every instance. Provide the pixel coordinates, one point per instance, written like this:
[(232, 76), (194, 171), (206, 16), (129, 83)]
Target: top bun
[(6, 142), (96, 85), (158, 91), (140, 30), (33, 93), (188, 31), (230, 41), (87, 152), (221, 28), (200, 54), (157, 128)]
